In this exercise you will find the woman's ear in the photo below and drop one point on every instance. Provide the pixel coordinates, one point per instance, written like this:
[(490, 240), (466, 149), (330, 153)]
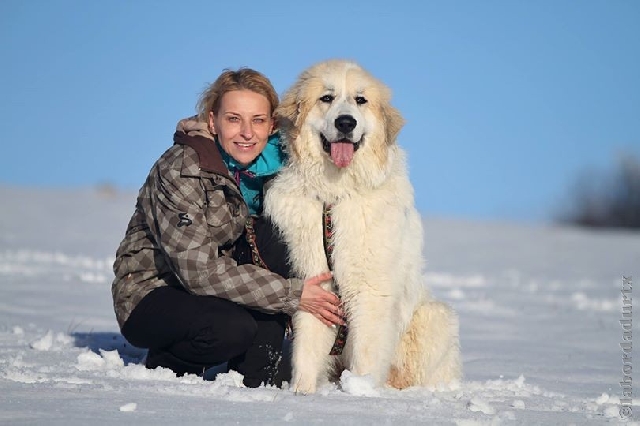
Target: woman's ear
[(212, 123)]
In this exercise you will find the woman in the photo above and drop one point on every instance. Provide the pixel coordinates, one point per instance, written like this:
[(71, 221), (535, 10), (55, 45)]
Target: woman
[(196, 281)]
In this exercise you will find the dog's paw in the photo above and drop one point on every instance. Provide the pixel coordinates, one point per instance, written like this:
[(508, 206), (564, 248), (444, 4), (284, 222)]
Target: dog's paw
[(302, 386)]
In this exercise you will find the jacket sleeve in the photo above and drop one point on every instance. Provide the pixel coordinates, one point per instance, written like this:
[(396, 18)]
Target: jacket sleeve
[(178, 219)]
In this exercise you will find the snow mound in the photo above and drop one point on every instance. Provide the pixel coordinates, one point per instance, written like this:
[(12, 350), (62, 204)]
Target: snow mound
[(51, 342), (358, 385), (129, 407), (107, 360), (232, 379)]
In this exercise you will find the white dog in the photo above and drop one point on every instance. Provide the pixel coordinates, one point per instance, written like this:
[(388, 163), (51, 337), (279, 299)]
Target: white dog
[(340, 131)]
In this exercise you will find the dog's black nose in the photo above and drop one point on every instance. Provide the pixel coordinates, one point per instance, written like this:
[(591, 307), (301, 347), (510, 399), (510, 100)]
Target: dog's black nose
[(345, 123)]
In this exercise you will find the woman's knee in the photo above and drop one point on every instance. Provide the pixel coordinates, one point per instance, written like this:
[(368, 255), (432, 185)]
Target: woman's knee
[(226, 336)]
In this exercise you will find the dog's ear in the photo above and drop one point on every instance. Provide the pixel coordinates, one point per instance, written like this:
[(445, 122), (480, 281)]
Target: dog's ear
[(393, 122), (292, 112), (286, 116), (287, 112)]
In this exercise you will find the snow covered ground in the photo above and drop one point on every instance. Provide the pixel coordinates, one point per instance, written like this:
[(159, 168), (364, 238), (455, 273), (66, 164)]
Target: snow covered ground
[(539, 310)]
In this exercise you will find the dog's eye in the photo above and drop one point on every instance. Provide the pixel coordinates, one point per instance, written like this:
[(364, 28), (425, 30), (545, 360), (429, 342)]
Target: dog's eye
[(361, 100), (327, 99)]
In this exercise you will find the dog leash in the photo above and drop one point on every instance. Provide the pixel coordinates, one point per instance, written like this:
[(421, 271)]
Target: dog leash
[(251, 239), (328, 242)]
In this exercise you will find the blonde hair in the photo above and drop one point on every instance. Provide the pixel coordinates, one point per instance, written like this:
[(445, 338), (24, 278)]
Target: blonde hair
[(229, 80)]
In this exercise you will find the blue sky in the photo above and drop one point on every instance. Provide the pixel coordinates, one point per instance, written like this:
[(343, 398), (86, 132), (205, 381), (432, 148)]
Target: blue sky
[(505, 101)]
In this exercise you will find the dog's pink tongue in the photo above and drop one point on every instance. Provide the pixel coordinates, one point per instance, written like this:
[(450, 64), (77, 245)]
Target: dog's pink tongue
[(341, 153)]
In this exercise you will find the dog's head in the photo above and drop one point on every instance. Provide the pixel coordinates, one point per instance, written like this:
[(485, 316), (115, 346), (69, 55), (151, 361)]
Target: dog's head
[(337, 113)]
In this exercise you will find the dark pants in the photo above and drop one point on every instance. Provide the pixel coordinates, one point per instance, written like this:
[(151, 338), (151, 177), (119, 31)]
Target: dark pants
[(188, 333)]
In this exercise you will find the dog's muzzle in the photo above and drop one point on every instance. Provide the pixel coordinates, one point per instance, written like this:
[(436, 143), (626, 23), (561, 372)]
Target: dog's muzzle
[(342, 148)]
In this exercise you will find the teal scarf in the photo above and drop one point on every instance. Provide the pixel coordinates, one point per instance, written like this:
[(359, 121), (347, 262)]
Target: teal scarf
[(251, 178)]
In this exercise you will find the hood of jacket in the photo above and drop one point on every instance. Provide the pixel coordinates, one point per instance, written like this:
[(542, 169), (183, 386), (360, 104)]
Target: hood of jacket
[(192, 127)]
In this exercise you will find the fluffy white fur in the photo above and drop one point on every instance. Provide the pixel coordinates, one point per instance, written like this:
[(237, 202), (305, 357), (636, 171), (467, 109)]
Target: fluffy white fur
[(398, 334)]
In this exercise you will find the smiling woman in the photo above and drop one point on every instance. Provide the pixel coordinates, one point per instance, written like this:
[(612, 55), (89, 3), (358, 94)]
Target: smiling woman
[(238, 108), (201, 277)]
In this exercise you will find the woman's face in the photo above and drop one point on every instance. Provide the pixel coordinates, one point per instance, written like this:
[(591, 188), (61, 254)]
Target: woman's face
[(243, 124)]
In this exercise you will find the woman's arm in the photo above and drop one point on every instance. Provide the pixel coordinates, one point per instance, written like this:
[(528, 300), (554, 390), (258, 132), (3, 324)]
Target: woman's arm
[(175, 212)]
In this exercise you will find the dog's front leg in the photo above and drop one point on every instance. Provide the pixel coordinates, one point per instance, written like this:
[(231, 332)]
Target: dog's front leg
[(373, 337), (311, 345)]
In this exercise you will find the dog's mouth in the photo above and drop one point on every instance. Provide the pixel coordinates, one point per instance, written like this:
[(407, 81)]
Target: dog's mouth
[(341, 150)]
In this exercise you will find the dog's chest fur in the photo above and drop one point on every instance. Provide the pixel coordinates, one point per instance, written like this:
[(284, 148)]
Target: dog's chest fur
[(367, 230)]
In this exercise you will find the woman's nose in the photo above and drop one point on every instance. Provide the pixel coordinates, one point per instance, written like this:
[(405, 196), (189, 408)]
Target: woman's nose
[(247, 130)]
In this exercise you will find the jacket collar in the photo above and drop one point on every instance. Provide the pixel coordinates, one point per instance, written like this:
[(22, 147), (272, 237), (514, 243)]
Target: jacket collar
[(212, 158), (268, 163)]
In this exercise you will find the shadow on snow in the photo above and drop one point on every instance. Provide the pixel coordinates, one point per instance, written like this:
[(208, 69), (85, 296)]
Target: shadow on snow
[(109, 341)]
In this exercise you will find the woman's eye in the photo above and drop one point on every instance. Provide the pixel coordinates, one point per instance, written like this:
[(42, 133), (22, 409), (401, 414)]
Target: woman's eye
[(361, 100), (327, 99), (258, 120)]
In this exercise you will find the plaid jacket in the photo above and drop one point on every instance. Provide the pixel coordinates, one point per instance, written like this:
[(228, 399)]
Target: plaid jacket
[(188, 215)]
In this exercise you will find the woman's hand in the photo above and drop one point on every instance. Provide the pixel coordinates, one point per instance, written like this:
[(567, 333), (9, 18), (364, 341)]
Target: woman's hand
[(321, 303)]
